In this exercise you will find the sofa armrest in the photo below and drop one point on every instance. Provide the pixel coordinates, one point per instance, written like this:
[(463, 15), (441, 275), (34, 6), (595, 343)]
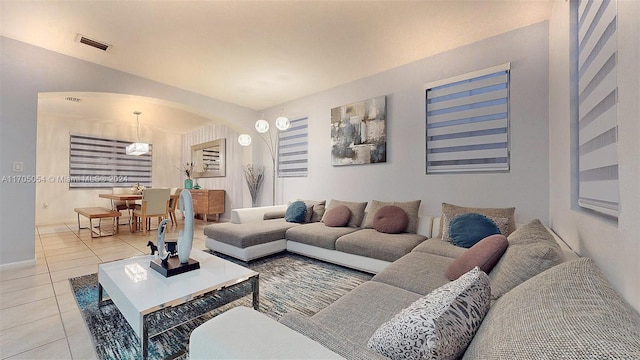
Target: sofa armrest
[(424, 225), (247, 215), (325, 336)]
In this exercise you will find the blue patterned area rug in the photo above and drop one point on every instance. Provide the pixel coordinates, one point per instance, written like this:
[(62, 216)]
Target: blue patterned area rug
[(288, 282)]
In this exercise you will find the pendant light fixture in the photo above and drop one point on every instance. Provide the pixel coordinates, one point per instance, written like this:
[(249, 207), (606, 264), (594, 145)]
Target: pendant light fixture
[(137, 148)]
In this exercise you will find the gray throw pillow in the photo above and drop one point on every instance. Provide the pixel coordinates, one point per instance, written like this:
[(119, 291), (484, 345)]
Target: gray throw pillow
[(532, 250), (439, 325), (318, 207)]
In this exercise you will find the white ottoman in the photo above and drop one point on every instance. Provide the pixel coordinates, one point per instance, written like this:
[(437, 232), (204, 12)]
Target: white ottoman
[(243, 333)]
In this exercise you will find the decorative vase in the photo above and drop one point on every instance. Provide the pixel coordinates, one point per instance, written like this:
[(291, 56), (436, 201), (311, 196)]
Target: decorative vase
[(185, 238), (188, 184)]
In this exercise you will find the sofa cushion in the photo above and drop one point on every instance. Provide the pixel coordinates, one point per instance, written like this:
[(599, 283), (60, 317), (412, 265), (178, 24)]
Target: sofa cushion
[(390, 219), (437, 246), (567, 312), (417, 272), (364, 309), (328, 337), (357, 211), (296, 212), (410, 207), (249, 234), (449, 211), (532, 250), (317, 234), (373, 244), (337, 216), (318, 207), (484, 254), (467, 229), (439, 325)]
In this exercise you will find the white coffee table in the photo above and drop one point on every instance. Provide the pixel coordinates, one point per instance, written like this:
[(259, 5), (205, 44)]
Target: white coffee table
[(138, 291)]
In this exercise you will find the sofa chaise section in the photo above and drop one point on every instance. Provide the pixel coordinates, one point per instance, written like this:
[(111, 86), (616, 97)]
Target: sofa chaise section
[(248, 241)]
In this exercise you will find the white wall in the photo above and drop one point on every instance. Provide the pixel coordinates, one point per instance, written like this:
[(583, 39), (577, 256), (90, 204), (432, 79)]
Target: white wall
[(403, 177), (614, 246), (28, 70), (53, 145)]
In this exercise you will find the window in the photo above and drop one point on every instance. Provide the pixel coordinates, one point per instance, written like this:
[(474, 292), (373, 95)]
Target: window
[(293, 149), (102, 163), (597, 103), (468, 122)]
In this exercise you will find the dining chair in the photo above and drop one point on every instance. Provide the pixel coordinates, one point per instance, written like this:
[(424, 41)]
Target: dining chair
[(173, 203), (154, 204), (123, 204)]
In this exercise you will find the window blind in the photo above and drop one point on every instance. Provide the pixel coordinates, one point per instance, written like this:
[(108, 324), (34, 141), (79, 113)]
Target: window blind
[(293, 149), (597, 107), (102, 163), (467, 122)]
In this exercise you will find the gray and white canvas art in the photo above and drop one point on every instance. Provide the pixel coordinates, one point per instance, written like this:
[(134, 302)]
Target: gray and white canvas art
[(359, 133)]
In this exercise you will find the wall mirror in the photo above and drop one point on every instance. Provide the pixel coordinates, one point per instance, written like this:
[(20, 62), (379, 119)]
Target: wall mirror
[(209, 159)]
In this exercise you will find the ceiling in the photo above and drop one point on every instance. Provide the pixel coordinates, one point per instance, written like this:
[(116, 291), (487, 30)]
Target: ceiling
[(260, 54)]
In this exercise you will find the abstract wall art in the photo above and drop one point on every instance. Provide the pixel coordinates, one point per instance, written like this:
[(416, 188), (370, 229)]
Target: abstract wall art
[(359, 133)]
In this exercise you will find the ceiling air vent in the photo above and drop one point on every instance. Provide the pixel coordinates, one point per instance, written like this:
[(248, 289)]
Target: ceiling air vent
[(93, 43)]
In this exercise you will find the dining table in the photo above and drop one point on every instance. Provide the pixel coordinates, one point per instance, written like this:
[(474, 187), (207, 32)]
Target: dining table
[(129, 197)]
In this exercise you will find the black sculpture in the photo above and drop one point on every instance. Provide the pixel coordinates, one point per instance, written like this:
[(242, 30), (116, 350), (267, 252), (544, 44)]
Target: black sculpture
[(153, 247)]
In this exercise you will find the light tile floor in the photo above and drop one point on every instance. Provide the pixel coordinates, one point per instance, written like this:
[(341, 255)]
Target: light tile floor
[(39, 316)]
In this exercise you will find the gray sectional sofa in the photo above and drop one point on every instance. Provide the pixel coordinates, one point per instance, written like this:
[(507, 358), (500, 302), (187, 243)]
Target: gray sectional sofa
[(249, 236), (545, 303)]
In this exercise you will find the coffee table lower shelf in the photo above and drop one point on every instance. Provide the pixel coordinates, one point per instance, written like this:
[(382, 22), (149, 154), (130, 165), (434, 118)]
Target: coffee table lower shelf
[(226, 296)]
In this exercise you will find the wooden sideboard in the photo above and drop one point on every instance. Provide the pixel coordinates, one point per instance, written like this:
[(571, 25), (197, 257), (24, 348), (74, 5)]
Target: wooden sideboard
[(208, 202)]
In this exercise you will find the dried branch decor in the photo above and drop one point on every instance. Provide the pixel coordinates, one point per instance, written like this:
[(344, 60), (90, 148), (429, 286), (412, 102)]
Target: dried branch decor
[(254, 175)]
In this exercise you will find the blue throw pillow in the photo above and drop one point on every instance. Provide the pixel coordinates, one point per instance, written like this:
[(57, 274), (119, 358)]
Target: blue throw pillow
[(467, 229), (296, 212)]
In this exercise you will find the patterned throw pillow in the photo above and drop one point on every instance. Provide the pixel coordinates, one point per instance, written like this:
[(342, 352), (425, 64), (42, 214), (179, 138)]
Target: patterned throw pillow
[(296, 212), (439, 325)]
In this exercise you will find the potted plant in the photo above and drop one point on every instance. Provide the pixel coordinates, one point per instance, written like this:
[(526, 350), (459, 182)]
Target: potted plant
[(188, 170)]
